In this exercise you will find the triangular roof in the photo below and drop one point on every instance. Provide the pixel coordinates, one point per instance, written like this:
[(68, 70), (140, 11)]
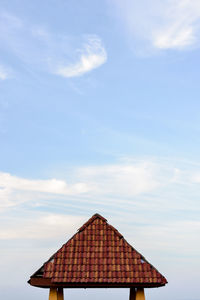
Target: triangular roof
[(97, 256)]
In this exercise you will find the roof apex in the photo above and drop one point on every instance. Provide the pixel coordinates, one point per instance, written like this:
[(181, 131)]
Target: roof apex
[(99, 216), (94, 217)]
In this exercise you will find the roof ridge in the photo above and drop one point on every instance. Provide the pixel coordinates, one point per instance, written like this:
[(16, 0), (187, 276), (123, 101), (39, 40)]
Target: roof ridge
[(94, 217)]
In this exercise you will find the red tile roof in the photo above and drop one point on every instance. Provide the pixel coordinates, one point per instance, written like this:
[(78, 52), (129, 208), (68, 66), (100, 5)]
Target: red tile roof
[(98, 254)]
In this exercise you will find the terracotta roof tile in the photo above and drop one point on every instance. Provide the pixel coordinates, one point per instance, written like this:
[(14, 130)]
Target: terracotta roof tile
[(98, 253)]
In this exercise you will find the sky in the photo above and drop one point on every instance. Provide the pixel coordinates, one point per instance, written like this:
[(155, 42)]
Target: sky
[(99, 113)]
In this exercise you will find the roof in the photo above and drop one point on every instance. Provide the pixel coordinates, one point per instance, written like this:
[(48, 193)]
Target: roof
[(97, 256)]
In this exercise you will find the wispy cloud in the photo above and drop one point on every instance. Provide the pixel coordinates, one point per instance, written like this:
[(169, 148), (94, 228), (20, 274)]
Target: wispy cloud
[(98, 181), (92, 56), (128, 179), (167, 24), (134, 183), (46, 186), (48, 226), (16, 190), (4, 73), (56, 53)]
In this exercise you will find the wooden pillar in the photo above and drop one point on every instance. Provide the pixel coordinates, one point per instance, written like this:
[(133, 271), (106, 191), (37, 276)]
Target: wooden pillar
[(132, 294), (53, 295), (140, 294), (60, 294)]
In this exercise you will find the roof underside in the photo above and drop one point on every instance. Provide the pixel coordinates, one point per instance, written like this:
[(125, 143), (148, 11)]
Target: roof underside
[(97, 256)]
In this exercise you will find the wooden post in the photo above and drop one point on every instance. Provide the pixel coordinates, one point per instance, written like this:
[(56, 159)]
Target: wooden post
[(140, 294), (53, 295), (132, 294), (60, 294)]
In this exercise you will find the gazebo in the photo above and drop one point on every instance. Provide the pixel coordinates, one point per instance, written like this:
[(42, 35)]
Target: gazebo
[(97, 256)]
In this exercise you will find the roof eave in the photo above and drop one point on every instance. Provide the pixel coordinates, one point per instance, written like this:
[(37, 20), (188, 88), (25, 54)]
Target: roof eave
[(47, 283)]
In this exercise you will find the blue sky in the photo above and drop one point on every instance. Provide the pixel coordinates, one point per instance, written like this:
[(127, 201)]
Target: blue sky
[(99, 112)]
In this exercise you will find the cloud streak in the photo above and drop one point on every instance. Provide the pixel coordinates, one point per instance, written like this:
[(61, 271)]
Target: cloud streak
[(167, 24), (128, 179), (131, 183), (92, 56), (125, 180), (16, 190), (48, 226), (54, 186), (41, 50)]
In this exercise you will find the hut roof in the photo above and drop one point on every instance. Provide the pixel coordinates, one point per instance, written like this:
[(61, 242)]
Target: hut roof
[(97, 256)]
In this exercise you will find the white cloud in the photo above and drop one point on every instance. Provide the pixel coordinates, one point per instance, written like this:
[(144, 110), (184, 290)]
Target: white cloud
[(92, 56), (54, 186), (121, 179), (196, 177), (46, 226), (9, 22), (16, 190), (174, 237), (59, 54), (172, 38), (109, 180), (4, 73), (166, 24), (156, 185)]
